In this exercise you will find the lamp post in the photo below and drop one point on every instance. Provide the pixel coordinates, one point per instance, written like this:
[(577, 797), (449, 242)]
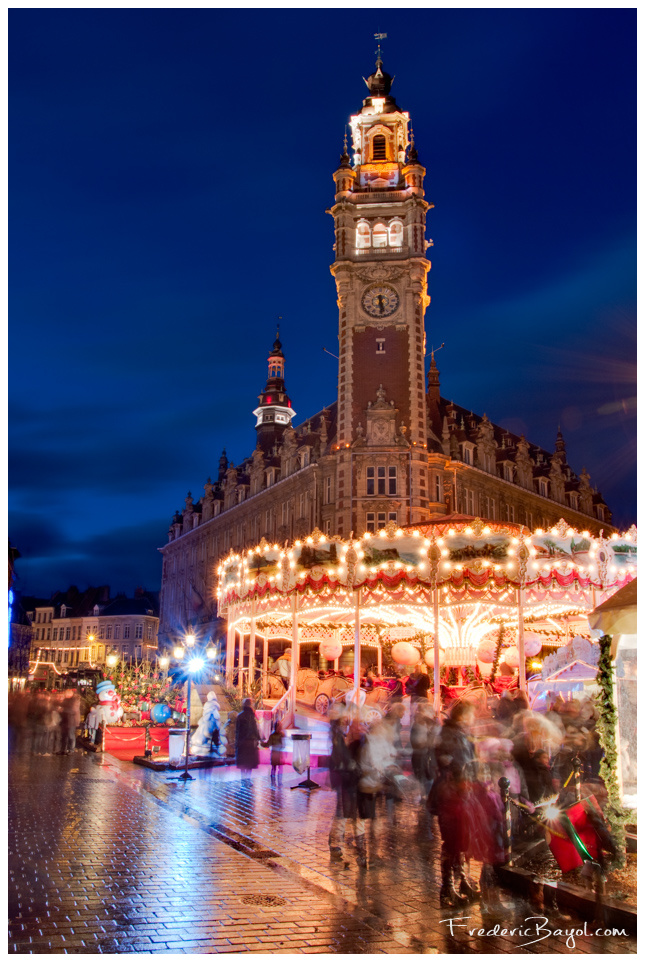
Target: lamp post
[(196, 660)]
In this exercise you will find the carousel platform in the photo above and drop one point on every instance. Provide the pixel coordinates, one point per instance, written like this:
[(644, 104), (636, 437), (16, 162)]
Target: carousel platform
[(162, 763)]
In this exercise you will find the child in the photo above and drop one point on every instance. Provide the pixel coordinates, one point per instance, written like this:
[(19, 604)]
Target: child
[(275, 742)]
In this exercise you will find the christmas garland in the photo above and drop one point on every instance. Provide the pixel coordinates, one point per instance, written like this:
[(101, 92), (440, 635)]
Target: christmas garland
[(607, 717), (498, 651)]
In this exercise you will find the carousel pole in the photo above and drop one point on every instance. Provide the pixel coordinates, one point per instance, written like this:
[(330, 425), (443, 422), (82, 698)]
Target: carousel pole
[(265, 666), (437, 690), (230, 652), (520, 637), (252, 650), (357, 643), (295, 655)]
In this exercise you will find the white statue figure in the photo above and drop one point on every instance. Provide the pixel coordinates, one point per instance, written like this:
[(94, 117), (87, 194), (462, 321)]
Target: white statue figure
[(109, 708), (202, 738)]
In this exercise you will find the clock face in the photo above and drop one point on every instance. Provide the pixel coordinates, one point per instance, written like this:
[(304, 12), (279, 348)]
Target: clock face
[(380, 301)]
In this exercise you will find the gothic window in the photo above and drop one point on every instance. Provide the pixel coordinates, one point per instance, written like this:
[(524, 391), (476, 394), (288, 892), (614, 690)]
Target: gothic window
[(378, 148), (379, 235), (391, 480), (363, 237), (396, 233), (370, 481)]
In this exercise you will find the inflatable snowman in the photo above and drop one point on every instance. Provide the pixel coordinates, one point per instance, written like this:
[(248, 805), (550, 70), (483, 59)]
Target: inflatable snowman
[(207, 732), (109, 708)]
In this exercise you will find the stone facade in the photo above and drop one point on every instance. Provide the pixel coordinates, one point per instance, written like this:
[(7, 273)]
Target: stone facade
[(390, 448)]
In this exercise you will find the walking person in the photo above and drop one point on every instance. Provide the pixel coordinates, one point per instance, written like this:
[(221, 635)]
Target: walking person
[(71, 718), (457, 769), (343, 777), (247, 740), (92, 723), (275, 742)]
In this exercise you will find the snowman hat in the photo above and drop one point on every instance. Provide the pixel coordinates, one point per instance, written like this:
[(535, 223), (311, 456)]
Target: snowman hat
[(104, 686)]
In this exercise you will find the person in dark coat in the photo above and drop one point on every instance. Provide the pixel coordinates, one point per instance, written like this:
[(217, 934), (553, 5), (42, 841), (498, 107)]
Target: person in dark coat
[(450, 798), (247, 739)]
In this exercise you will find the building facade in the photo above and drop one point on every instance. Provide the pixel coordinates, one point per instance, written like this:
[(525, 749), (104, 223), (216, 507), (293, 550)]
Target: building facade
[(389, 448), (77, 631)]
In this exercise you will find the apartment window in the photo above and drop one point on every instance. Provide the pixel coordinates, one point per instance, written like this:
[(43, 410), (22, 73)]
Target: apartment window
[(370, 522), (468, 501), (67, 634), (137, 652), (49, 632), (117, 631), (302, 505), (392, 517), (510, 512), (328, 490), (391, 480), (55, 634), (124, 652), (380, 519), (438, 486), (467, 454), (126, 631), (508, 472), (138, 631), (327, 526), (59, 655), (380, 480), (102, 631), (370, 480), (543, 487), (108, 631), (66, 656), (149, 633)]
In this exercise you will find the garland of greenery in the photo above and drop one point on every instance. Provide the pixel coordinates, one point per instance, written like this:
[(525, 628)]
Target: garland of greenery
[(498, 651), (607, 717)]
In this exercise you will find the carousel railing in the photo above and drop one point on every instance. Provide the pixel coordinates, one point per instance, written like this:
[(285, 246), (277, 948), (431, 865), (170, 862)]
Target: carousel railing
[(281, 711)]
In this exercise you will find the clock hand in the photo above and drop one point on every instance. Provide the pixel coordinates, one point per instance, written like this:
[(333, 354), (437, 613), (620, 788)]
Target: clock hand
[(380, 303)]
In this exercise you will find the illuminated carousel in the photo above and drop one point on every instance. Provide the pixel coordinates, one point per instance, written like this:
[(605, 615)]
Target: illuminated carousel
[(459, 592)]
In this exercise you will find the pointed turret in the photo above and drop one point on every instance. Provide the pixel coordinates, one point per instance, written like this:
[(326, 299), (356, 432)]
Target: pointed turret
[(560, 449), (275, 412)]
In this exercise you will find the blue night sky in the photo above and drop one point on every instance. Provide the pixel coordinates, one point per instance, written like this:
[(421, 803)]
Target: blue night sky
[(169, 175)]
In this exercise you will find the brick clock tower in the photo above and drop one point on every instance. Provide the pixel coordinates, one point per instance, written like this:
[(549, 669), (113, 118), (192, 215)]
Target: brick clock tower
[(380, 272)]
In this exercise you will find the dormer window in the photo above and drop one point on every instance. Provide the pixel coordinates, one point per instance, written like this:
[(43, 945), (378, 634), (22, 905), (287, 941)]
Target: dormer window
[(379, 148), (543, 487), (467, 452)]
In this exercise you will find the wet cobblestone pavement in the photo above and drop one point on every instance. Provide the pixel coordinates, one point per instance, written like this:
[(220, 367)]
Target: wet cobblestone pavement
[(108, 857)]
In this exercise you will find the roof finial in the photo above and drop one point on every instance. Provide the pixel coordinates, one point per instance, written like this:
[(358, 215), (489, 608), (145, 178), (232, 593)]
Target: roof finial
[(345, 141), (379, 37)]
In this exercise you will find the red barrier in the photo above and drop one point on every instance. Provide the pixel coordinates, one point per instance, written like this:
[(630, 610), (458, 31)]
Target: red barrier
[(134, 739)]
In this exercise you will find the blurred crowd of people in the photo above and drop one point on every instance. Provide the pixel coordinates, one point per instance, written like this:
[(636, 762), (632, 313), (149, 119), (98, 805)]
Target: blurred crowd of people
[(451, 768), (45, 722)]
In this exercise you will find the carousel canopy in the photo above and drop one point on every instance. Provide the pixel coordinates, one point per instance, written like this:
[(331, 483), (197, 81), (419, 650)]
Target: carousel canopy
[(479, 574)]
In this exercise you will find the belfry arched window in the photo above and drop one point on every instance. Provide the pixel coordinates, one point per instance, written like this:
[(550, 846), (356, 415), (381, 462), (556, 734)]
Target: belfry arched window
[(378, 148), (396, 233), (379, 235), (363, 237)]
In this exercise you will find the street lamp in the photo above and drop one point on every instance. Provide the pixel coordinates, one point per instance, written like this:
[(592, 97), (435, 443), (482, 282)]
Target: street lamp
[(112, 658), (194, 664)]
